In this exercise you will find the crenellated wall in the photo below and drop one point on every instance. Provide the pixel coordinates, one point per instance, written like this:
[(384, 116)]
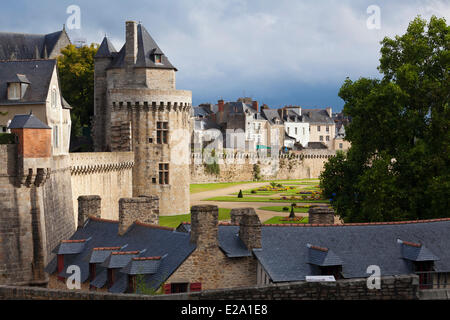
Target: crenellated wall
[(106, 174), (239, 167)]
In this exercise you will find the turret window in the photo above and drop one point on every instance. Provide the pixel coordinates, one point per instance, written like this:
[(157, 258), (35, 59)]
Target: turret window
[(162, 132), (158, 58), (163, 173)]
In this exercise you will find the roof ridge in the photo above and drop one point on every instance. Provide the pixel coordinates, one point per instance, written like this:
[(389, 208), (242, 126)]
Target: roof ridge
[(125, 252), (73, 241), (91, 217), (26, 60), (146, 258), (106, 248), (151, 225), (355, 224)]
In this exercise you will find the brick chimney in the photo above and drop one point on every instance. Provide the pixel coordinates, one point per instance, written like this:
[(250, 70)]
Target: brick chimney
[(321, 214), (88, 206), (205, 226), (221, 105), (250, 229), (255, 105), (131, 45), (143, 209)]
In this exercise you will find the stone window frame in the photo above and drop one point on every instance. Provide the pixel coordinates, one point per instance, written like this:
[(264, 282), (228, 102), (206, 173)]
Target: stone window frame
[(163, 173), (321, 138), (327, 138), (162, 132), (318, 128)]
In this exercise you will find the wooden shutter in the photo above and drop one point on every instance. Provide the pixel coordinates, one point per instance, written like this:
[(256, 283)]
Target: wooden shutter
[(195, 286), (167, 288), (60, 266)]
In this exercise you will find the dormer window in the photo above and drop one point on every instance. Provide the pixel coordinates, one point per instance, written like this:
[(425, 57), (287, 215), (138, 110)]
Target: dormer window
[(157, 58), (18, 87), (14, 91)]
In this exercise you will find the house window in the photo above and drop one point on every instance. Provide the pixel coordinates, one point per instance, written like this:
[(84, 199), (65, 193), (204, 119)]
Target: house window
[(303, 131), (150, 140), (340, 145), (162, 130), (296, 131), (54, 98), (327, 138), (158, 58), (55, 136), (318, 128), (163, 173), (14, 91), (321, 138), (328, 129), (153, 180), (179, 287)]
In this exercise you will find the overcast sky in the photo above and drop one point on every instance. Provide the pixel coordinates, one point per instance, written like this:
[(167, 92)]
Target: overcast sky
[(277, 52)]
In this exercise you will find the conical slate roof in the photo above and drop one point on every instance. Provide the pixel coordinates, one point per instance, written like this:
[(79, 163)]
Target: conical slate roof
[(147, 47), (106, 49)]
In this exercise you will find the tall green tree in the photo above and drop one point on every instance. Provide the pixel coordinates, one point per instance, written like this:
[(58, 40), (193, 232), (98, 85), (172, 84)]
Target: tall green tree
[(398, 166), (76, 73)]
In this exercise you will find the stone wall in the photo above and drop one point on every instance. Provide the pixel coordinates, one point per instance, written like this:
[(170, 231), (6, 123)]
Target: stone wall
[(208, 264), (392, 287), (304, 164), (34, 216), (144, 209), (106, 174)]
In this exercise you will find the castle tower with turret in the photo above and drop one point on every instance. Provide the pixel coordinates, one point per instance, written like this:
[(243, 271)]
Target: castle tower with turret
[(138, 108)]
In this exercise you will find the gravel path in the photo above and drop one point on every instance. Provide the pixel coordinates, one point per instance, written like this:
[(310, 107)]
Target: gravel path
[(196, 199)]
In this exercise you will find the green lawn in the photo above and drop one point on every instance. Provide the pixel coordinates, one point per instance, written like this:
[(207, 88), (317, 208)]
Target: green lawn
[(280, 209), (277, 220), (174, 221), (260, 199), (200, 187)]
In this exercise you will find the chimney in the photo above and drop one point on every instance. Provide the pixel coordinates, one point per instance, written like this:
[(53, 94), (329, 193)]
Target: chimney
[(131, 45), (255, 105), (88, 206), (330, 112), (320, 214), (205, 226), (250, 229), (236, 214), (143, 209), (221, 105)]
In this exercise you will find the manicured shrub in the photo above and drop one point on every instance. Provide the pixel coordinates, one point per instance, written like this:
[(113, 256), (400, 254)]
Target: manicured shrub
[(240, 194)]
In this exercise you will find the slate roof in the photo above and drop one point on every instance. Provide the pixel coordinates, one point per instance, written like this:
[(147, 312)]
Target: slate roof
[(119, 259), (205, 124), (106, 49), (100, 278), (99, 255), (156, 241), (146, 47), (415, 252), (27, 121), (358, 246), (142, 265), (292, 116), (20, 46), (201, 111), (317, 116), (322, 256), (271, 115), (70, 246), (37, 72)]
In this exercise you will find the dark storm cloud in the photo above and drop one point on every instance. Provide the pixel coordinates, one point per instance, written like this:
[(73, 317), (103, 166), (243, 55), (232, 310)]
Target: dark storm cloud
[(279, 52)]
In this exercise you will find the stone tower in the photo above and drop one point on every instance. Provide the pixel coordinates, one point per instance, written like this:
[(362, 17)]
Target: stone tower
[(138, 108)]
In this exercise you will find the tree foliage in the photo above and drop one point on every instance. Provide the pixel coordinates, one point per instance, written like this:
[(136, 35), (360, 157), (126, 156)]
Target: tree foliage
[(76, 74), (398, 166)]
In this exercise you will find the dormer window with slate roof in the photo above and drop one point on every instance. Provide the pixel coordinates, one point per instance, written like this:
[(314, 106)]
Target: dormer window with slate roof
[(157, 58), (17, 87), (325, 260)]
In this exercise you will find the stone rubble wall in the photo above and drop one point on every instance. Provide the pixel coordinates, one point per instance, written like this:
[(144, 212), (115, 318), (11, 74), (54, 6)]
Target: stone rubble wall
[(303, 165), (403, 287)]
